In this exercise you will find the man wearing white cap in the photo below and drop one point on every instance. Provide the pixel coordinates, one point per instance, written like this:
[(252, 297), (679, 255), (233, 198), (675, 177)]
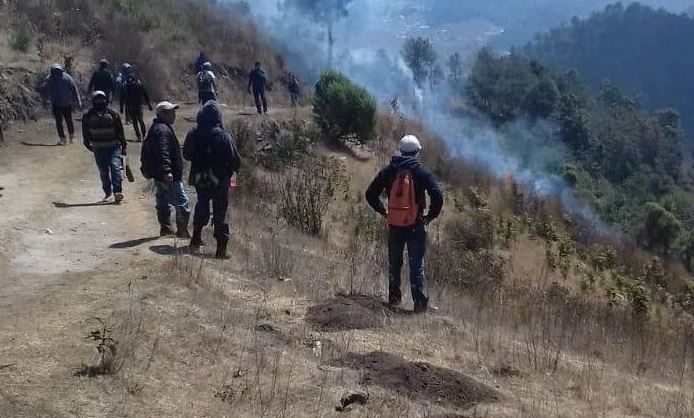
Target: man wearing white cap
[(162, 161), (406, 182), (103, 135)]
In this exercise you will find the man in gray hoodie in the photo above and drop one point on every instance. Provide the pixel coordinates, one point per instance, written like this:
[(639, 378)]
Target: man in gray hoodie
[(62, 92)]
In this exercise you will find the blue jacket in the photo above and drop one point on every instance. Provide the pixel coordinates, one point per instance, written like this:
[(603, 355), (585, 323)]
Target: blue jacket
[(209, 147), (424, 182), (61, 90)]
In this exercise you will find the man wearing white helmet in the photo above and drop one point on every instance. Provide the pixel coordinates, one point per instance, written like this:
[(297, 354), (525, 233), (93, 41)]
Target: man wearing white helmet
[(103, 135), (62, 92), (406, 183), (207, 84)]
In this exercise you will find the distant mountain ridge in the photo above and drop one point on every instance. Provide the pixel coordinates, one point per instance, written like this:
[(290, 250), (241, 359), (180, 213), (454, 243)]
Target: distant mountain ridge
[(646, 51)]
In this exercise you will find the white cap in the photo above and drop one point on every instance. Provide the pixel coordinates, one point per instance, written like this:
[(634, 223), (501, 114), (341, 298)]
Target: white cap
[(98, 93), (164, 106), (410, 144)]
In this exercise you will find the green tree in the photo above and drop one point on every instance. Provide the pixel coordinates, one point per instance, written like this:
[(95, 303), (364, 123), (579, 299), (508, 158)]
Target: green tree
[(325, 12), (342, 109), (661, 229), (420, 56)]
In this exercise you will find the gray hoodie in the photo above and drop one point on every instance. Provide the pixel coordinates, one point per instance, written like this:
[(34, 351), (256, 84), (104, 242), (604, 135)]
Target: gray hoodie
[(60, 89)]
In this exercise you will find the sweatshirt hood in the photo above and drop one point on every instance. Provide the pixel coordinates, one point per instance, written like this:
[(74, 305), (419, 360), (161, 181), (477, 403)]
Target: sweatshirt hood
[(210, 116), (405, 163)]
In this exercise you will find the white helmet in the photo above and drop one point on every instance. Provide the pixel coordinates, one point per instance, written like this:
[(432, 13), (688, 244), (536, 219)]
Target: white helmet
[(409, 144)]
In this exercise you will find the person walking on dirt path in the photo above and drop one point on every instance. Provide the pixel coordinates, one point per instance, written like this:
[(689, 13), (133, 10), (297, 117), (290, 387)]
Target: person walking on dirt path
[(214, 160), (257, 82), (407, 182), (294, 90), (103, 135), (207, 84), (133, 96), (62, 92), (102, 80), (199, 62), (162, 161)]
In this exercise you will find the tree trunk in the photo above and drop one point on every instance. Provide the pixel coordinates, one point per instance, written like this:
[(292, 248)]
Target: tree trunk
[(331, 44)]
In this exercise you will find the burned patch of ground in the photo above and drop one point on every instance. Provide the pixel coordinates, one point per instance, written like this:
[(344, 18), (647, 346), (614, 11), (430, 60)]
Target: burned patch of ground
[(344, 313), (418, 380)]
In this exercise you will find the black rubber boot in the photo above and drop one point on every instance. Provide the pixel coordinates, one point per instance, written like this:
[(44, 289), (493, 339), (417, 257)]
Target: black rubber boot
[(196, 241), (221, 253), (182, 219), (164, 218)]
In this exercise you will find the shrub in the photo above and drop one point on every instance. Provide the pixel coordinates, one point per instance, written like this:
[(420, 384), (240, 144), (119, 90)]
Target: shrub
[(20, 42), (342, 109), (304, 195)]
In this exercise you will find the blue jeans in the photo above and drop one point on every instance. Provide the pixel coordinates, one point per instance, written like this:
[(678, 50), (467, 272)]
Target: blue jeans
[(171, 194), (110, 163), (415, 238), (220, 203)]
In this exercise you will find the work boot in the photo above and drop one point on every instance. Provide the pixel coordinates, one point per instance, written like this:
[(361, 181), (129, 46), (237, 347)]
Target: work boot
[(182, 218), (221, 253), (196, 242), (118, 198), (164, 218), (421, 306), (61, 141)]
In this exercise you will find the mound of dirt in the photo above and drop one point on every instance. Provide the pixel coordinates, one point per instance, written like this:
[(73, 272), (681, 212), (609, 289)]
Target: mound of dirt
[(17, 99), (344, 313), (419, 381)]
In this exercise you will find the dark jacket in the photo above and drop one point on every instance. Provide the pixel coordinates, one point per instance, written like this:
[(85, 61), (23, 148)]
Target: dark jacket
[(424, 182), (133, 95), (257, 80), (164, 151), (60, 89), (102, 80), (209, 147), (102, 128)]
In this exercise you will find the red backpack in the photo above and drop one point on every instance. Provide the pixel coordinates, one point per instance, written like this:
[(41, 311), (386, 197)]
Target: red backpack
[(402, 205)]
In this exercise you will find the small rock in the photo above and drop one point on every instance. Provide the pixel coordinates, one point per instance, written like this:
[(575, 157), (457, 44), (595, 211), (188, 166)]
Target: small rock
[(48, 231), (350, 398)]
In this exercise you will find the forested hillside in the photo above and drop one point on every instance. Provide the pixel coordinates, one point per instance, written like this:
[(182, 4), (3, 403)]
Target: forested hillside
[(648, 52), (621, 159)]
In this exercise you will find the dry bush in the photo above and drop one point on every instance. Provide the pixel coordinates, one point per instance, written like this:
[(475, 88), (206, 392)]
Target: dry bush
[(305, 194)]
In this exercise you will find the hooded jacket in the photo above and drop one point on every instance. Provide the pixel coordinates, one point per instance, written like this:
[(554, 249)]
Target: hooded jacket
[(424, 183), (133, 95), (60, 89), (209, 147), (102, 80)]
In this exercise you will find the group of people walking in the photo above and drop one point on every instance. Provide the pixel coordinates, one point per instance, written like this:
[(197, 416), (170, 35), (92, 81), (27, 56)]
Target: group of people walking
[(214, 160)]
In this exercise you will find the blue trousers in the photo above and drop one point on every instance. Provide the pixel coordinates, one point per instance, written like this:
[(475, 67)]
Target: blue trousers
[(415, 239), (219, 196), (171, 194), (110, 163)]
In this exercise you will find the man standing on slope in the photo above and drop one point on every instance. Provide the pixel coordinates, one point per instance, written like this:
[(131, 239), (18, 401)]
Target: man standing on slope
[(257, 82), (62, 92), (162, 161), (406, 182), (132, 97), (103, 135), (214, 160), (102, 80), (207, 84)]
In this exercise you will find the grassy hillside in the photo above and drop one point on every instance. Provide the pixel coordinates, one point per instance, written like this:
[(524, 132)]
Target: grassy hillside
[(536, 313), (161, 38)]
